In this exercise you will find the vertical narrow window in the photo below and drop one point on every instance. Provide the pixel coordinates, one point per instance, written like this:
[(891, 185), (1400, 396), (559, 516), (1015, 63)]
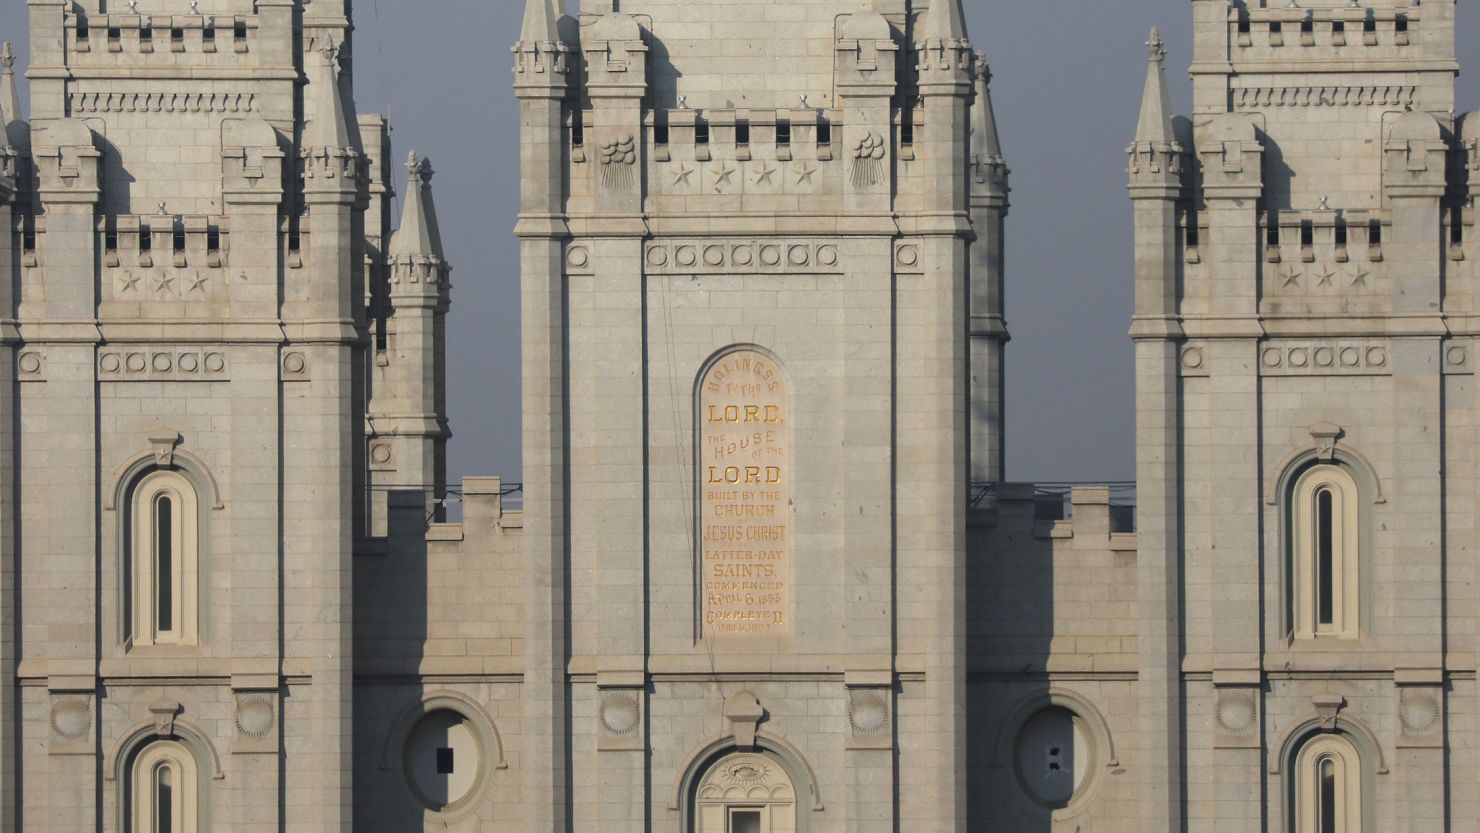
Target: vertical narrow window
[(164, 549), (160, 792), (163, 561), (1325, 559), (164, 799), (1325, 569), (1327, 787)]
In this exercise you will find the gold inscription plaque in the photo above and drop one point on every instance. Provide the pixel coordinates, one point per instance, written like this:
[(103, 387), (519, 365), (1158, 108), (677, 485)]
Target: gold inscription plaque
[(745, 491)]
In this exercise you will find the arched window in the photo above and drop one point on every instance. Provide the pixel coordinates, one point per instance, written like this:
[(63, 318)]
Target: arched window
[(163, 560), (746, 792), (162, 790), (1325, 564), (1328, 786)]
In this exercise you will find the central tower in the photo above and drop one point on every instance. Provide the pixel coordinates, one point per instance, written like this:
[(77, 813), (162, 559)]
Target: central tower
[(749, 305)]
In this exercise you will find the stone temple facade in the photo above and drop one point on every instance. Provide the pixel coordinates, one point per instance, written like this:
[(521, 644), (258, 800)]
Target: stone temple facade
[(765, 576)]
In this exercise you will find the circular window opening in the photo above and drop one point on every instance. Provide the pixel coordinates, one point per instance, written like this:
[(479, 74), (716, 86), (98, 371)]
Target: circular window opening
[(1054, 757), (443, 760)]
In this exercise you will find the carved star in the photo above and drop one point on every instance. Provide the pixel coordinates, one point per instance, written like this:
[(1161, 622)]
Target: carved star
[(1325, 278), (685, 173), (164, 283), (1360, 279), (128, 282), (725, 176), (804, 177), (765, 174), (1292, 277), (197, 283)]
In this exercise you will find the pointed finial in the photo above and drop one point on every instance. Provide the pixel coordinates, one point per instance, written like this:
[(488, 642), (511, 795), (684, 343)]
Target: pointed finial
[(8, 57), (1155, 124), (1156, 46), (417, 236), (163, 209), (1324, 205), (804, 105), (683, 102)]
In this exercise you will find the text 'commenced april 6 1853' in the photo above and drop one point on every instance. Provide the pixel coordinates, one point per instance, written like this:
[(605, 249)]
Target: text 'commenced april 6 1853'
[(744, 480)]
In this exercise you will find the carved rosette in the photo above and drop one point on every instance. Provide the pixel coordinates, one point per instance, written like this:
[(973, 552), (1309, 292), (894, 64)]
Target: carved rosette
[(868, 712), (1421, 716), (620, 714), (71, 717), (255, 715)]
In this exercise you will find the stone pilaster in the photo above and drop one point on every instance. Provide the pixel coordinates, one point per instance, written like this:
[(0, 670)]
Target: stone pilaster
[(9, 542), (1156, 163), (1414, 184), (541, 84)]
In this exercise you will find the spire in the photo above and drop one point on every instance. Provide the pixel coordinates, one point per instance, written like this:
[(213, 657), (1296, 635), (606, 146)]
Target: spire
[(943, 22), (1156, 101), (540, 22), (10, 106), (985, 143), (417, 236), (323, 107), (988, 167)]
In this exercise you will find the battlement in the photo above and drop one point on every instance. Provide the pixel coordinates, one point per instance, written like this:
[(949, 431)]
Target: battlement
[(1375, 33), (93, 38)]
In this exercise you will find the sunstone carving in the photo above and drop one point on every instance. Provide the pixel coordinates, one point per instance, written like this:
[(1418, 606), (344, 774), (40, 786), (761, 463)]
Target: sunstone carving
[(71, 717)]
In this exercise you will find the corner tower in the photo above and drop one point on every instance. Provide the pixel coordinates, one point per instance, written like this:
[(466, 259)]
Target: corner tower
[(1305, 348), (748, 314), (183, 435)]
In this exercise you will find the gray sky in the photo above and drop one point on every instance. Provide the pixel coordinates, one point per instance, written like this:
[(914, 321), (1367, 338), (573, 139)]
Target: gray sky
[(1068, 77)]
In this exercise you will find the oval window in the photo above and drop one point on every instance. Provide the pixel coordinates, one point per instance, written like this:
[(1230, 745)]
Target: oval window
[(443, 760), (1054, 757)]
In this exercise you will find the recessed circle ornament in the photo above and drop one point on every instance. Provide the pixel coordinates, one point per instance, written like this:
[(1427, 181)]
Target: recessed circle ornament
[(1192, 358), (714, 256), (380, 453), (742, 256), (1419, 713), (1350, 357), (295, 363), (1457, 357), (657, 256), (868, 712), (828, 255), (135, 362), (162, 362), (1236, 713), (1324, 357), (110, 363), (254, 716), (798, 256), (71, 717), (189, 362), (685, 256), (1377, 357), (770, 255), (578, 257), (908, 256), (215, 362), (1273, 358), (30, 363), (620, 714)]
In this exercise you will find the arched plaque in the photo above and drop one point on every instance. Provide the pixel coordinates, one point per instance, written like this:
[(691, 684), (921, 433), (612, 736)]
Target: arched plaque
[(744, 482)]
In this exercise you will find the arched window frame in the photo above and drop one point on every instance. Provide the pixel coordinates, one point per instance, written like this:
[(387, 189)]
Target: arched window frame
[(1328, 805), (147, 585), (1324, 511), (164, 759)]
